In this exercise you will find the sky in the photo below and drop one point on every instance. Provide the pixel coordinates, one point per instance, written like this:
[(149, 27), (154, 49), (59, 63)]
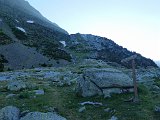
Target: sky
[(133, 24)]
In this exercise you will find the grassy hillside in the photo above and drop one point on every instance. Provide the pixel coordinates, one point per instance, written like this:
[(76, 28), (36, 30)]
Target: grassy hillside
[(66, 102)]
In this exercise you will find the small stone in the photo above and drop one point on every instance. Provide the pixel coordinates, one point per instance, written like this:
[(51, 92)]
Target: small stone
[(51, 109), (82, 109), (23, 113), (10, 95), (155, 88), (113, 118), (157, 109), (107, 110), (39, 92)]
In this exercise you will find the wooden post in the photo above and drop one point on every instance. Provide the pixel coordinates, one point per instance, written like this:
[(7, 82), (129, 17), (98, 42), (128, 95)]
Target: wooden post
[(134, 82), (132, 58)]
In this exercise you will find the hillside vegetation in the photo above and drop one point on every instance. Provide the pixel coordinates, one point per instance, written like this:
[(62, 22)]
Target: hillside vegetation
[(62, 96)]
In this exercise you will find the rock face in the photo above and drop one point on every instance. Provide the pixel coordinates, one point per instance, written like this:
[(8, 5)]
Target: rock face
[(96, 47), (104, 81), (16, 85), (9, 113), (42, 116)]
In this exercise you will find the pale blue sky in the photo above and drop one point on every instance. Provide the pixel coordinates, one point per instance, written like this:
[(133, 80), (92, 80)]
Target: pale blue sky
[(134, 24)]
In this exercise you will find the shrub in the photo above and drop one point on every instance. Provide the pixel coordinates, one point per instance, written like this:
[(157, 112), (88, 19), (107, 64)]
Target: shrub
[(24, 95)]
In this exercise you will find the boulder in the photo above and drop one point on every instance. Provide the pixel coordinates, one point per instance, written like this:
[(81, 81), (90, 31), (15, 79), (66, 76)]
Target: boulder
[(42, 116), (103, 81), (16, 85), (9, 113)]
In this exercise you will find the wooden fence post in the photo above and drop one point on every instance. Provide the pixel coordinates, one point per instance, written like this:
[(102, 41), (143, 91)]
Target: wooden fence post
[(134, 82), (132, 58)]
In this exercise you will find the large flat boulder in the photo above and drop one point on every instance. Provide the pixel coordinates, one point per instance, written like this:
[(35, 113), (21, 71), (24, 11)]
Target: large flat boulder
[(103, 81), (42, 116)]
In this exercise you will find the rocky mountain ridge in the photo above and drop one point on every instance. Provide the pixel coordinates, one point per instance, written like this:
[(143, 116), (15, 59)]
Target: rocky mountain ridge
[(27, 35), (101, 48)]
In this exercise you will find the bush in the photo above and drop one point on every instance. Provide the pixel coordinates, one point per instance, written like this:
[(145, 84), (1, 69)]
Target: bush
[(24, 95)]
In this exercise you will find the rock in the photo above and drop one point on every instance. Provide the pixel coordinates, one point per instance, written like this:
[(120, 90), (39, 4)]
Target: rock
[(155, 88), (10, 95), (93, 63), (91, 103), (31, 85), (42, 116), (157, 109), (103, 81), (107, 110), (82, 109), (51, 75), (113, 118), (23, 113), (9, 113), (16, 85), (108, 92), (63, 79), (39, 92), (51, 109)]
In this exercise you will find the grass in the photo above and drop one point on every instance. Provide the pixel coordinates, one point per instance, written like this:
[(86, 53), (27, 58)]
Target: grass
[(67, 102)]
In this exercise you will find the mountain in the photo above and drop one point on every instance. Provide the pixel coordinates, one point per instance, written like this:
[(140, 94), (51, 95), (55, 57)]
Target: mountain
[(96, 47), (27, 38), (21, 10)]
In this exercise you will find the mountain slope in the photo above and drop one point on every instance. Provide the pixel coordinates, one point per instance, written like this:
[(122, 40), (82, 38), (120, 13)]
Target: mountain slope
[(90, 46), (27, 39), (21, 25), (21, 9)]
